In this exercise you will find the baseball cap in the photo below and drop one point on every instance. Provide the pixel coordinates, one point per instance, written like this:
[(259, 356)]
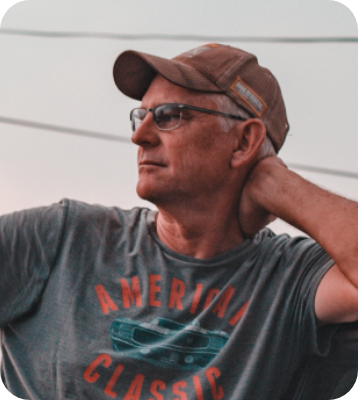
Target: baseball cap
[(213, 68)]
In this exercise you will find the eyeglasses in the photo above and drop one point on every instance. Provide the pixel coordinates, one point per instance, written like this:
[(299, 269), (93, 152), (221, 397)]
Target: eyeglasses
[(168, 116)]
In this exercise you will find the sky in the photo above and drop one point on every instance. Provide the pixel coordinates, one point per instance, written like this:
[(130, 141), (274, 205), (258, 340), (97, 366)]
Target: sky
[(68, 82)]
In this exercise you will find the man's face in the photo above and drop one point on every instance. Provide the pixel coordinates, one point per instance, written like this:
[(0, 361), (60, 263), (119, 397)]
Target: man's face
[(188, 163)]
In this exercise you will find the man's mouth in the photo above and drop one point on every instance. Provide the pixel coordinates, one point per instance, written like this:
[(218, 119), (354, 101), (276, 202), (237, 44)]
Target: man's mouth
[(149, 162)]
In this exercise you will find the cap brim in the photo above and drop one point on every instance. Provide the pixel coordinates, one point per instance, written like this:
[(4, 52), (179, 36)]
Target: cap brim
[(133, 72)]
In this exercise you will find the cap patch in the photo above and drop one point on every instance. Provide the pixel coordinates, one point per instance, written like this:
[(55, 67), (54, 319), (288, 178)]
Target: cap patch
[(250, 98), (198, 50)]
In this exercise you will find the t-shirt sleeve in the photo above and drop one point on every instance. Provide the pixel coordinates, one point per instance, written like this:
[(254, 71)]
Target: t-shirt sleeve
[(29, 243), (307, 263)]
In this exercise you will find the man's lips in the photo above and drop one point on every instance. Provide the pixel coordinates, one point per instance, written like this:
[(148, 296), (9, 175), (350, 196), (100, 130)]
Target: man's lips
[(150, 162)]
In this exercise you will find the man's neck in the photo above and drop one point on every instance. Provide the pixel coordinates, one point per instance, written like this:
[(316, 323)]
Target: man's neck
[(199, 233)]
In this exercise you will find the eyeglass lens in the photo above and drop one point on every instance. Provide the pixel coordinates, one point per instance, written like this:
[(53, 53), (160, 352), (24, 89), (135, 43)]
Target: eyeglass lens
[(166, 116), (137, 117)]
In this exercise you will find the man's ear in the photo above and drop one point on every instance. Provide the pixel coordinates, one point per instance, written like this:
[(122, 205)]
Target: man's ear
[(250, 136)]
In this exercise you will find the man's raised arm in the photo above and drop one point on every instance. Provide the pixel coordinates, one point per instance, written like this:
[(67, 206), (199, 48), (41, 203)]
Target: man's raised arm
[(329, 219)]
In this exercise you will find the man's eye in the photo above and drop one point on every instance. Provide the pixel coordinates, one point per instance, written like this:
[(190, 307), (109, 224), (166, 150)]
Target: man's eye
[(168, 115)]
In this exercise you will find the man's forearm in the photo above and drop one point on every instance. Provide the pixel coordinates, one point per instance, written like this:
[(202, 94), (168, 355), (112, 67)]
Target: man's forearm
[(329, 219)]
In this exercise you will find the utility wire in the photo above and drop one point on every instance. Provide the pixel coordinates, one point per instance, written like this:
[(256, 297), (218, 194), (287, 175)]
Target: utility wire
[(62, 129), (160, 36), (123, 139), (326, 171)]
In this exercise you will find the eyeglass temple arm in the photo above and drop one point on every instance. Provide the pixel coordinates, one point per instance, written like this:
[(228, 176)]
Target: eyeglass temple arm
[(213, 112)]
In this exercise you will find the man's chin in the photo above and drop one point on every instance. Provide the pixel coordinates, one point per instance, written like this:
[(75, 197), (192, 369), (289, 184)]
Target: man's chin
[(156, 194), (147, 192)]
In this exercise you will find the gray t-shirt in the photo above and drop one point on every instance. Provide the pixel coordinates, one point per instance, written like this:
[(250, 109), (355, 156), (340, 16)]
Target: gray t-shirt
[(94, 306)]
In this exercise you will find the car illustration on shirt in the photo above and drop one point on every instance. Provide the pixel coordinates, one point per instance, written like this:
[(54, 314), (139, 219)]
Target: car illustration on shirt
[(167, 343)]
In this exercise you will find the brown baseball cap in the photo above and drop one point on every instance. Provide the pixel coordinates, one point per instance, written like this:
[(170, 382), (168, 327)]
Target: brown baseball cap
[(213, 68)]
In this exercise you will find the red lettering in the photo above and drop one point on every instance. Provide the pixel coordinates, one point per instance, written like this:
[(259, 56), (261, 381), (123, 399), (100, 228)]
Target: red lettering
[(223, 302), (209, 298), (108, 390), (197, 387), (176, 293), (131, 295), (157, 384), (176, 390), (196, 299), (211, 374), (133, 392), (91, 376), (239, 314), (153, 289), (104, 300)]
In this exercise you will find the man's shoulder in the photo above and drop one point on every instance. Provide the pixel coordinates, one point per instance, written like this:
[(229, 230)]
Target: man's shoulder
[(82, 209), (267, 235), (92, 216), (283, 242), (284, 245)]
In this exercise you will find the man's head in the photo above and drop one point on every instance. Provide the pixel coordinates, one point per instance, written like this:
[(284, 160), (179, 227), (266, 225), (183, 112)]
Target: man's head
[(203, 154), (211, 68)]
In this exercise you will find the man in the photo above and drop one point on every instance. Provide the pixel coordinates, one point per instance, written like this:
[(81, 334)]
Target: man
[(190, 301)]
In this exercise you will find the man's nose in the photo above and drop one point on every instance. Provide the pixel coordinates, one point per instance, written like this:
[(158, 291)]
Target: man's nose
[(146, 133)]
